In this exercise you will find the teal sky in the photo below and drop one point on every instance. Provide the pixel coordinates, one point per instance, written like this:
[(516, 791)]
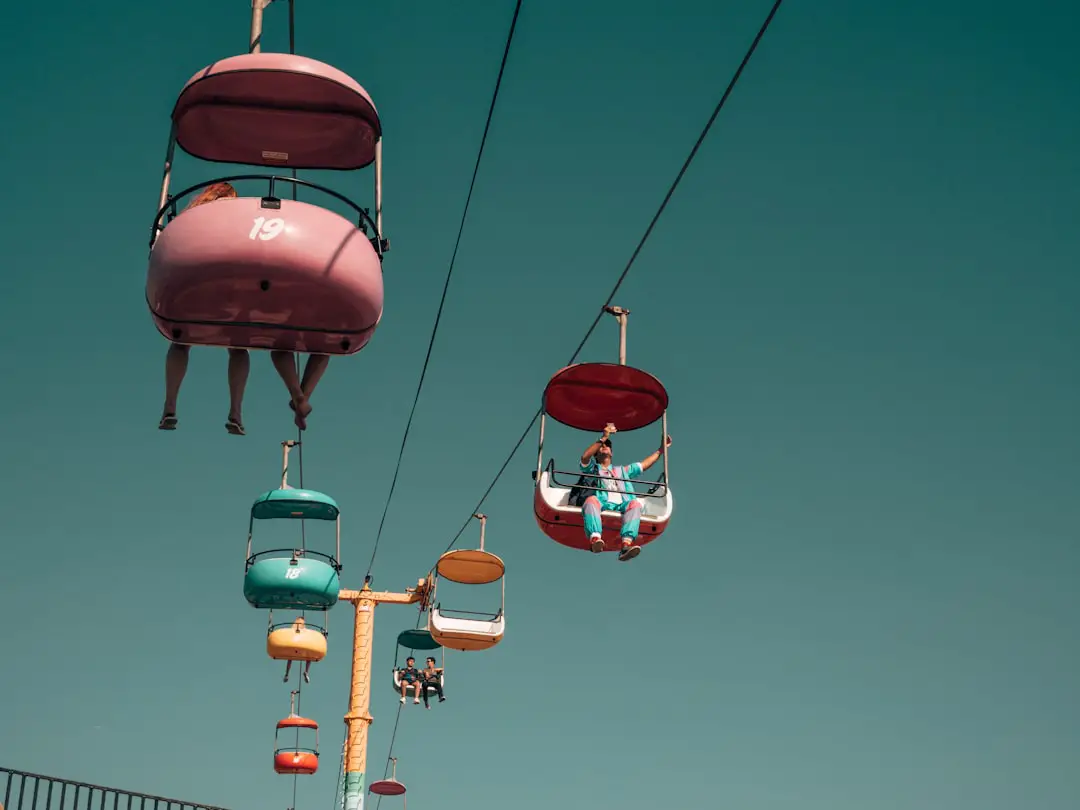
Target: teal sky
[(863, 301)]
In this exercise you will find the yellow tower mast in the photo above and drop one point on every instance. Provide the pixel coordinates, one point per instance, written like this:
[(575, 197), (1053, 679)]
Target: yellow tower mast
[(359, 717)]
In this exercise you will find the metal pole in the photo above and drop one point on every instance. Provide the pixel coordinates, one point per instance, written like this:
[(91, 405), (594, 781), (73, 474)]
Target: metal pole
[(378, 190), (359, 719), (664, 447), (285, 447), (165, 180), (255, 40), (483, 523), (621, 316), (540, 451), (622, 339)]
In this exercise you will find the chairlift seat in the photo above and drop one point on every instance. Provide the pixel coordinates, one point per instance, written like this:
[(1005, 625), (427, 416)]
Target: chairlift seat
[(277, 583), (409, 689), (295, 759), (565, 524), (294, 277), (466, 634), (292, 643)]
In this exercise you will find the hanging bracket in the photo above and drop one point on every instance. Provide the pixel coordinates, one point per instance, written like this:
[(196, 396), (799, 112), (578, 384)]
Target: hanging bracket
[(285, 448), (483, 525), (620, 314)]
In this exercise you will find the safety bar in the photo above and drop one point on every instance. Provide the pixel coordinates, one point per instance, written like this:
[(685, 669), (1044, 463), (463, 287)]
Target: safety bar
[(553, 473), (307, 626), (448, 612), (293, 552), (269, 201)]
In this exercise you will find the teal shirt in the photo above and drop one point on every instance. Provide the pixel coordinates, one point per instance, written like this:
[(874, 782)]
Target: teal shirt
[(613, 492)]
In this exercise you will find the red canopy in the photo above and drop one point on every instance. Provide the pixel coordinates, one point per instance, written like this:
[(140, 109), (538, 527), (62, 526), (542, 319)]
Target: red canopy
[(387, 787), (293, 721), (589, 395)]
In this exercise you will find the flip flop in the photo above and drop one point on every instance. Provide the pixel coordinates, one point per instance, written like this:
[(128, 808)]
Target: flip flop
[(235, 428), (168, 422)]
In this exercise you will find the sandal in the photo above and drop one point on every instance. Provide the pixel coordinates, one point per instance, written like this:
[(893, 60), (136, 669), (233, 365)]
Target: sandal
[(168, 422), (235, 427)]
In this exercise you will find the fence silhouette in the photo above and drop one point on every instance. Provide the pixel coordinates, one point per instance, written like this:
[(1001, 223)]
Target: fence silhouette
[(20, 790)]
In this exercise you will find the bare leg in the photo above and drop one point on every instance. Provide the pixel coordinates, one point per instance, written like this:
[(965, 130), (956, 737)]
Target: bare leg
[(285, 364), (416, 692), (176, 363), (404, 686), (288, 666), (239, 368), (313, 371), (307, 672)]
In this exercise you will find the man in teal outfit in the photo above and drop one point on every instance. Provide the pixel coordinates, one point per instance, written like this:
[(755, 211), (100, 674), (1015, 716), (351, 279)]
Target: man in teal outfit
[(616, 494)]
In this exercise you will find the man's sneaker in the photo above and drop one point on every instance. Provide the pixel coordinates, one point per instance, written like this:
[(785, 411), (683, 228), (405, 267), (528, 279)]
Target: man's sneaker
[(416, 701), (402, 698), (629, 551), (596, 543)]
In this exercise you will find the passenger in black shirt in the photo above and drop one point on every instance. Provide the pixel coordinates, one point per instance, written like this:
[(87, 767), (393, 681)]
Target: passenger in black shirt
[(432, 678)]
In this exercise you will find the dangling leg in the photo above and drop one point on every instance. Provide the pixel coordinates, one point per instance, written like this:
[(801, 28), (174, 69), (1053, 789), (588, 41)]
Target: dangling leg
[(631, 520), (416, 693), (288, 666), (285, 364), (239, 368), (423, 691), (439, 691), (404, 686), (307, 672), (594, 528), (176, 362), (313, 371)]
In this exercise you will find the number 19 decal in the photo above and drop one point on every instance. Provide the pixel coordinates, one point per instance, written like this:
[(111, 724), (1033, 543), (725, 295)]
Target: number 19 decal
[(266, 229)]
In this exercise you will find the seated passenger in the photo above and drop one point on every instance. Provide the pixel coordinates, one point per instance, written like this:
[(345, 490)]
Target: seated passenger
[(431, 676), (410, 677), (615, 496), (176, 359), (298, 627)]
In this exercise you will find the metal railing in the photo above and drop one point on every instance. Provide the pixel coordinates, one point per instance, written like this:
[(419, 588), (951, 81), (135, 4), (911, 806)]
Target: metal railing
[(34, 791)]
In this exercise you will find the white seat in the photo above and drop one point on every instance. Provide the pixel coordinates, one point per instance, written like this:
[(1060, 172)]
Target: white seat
[(466, 634), (655, 509), (429, 689)]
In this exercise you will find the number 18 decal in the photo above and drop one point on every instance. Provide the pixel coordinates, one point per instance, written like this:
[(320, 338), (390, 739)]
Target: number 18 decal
[(292, 572), (266, 229)]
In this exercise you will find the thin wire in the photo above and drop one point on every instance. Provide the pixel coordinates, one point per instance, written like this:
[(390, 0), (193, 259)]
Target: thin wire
[(390, 751), (637, 251), (339, 788), (393, 737), (446, 284), (596, 321), (299, 443), (299, 434)]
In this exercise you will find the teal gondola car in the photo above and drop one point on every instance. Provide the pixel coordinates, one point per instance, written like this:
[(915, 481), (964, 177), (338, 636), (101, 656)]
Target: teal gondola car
[(293, 578)]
